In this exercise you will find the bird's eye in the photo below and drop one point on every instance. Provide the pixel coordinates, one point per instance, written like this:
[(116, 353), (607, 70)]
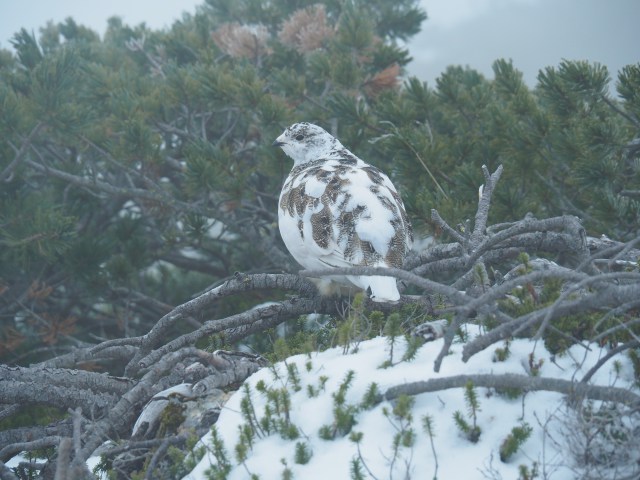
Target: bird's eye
[(300, 137)]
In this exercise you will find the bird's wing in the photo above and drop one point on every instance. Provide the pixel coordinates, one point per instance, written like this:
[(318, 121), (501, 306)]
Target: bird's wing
[(341, 215)]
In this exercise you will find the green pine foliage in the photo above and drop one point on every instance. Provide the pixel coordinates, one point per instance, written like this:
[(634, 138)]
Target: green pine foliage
[(471, 431), (514, 441), (401, 419), (371, 397), (428, 425), (303, 453), (634, 356), (221, 468), (357, 470), (526, 473), (276, 413), (392, 330), (501, 354), (143, 159), (344, 413)]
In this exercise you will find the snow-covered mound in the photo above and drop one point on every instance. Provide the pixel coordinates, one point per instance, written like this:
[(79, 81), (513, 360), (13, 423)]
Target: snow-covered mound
[(447, 454)]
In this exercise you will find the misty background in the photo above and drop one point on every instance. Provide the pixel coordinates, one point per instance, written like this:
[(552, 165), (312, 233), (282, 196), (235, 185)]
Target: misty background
[(533, 33)]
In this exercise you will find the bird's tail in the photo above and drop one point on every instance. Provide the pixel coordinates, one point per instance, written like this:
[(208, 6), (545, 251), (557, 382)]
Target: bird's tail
[(383, 289)]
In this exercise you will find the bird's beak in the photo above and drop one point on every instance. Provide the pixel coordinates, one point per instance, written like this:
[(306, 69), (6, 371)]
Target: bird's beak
[(278, 142)]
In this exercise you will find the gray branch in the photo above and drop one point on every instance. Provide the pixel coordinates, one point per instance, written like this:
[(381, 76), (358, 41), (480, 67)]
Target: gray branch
[(277, 313), (6, 473), (426, 284), (482, 212), (608, 297), (575, 390), (241, 283), (33, 393), (60, 377)]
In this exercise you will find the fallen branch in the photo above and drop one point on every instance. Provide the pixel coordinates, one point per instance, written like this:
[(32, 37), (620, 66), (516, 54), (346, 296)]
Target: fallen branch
[(577, 391)]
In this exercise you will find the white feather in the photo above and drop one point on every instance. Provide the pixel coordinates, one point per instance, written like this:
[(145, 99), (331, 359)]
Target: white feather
[(359, 217)]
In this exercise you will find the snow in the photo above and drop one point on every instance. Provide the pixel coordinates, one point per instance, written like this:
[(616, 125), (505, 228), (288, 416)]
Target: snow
[(457, 457)]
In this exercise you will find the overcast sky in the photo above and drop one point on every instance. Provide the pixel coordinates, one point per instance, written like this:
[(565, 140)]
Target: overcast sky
[(533, 33)]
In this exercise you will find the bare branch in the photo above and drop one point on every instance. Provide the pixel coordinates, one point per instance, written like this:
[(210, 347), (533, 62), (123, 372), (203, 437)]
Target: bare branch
[(275, 313), (582, 284), (30, 393), (26, 434), (610, 296), (14, 448), (9, 411), (82, 355), (156, 458), (482, 212), (109, 450), (122, 415), (96, 382), (64, 459), (6, 473), (575, 390), (571, 225), (441, 223), (241, 283), (610, 354), (428, 285)]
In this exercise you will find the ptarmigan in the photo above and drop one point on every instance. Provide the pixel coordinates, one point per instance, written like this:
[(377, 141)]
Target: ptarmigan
[(335, 210)]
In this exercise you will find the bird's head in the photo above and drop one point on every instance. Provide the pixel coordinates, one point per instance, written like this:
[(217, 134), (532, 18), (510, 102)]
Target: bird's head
[(304, 142)]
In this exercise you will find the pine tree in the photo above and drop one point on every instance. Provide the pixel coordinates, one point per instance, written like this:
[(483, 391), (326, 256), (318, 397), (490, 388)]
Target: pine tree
[(144, 159), (136, 172), (144, 162)]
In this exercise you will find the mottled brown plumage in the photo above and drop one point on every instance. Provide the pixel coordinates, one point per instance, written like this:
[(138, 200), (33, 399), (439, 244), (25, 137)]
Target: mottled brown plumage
[(337, 211)]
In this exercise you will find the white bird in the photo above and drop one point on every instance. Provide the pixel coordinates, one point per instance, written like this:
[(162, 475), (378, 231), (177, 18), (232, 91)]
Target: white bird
[(335, 210)]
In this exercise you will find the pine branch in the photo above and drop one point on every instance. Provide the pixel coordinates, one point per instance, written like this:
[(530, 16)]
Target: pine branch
[(426, 284), (122, 414), (96, 382), (575, 390), (629, 117), (610, 354), (29, 393), (132, 192), (630, 193), (585, 283), (11, 450), (268, 316), (482, 212), (241, 283), (440, 223), (7, 174), (609, 296), (124, 168), (193, 264)]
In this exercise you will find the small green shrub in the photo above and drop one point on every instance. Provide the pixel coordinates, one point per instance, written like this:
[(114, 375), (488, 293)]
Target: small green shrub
[(303, 453), (514, 441), (220, 470), (471, 430), (343, 413), (501, 354)]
